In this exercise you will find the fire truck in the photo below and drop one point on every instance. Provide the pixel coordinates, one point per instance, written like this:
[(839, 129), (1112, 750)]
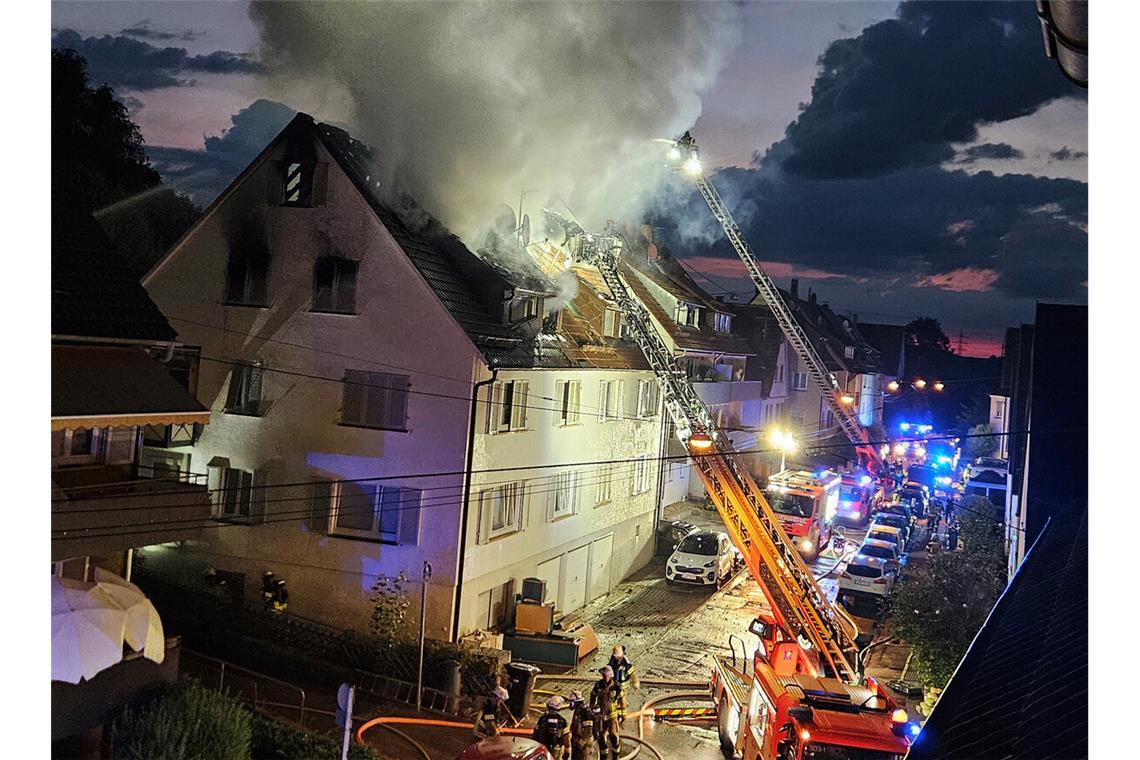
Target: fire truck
[(859, 496), (800, 696), (806, 504)]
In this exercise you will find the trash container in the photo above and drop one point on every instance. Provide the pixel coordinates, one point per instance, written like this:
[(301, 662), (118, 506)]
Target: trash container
[(670, 533), (520, 687), (452, 679)]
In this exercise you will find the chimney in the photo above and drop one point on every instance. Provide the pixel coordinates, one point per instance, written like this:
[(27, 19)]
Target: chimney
[(651, 252), (795, 288), (811, 297)]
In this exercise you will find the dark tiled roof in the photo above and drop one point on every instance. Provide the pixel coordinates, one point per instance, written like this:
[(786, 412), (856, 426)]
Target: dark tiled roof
[(1021, 691), (98, 381), (93, 293), (759, 329), (888, 340), (830, 334)]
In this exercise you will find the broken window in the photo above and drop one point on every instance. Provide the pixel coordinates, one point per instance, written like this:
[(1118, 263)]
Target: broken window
[(523, 309), (245, 389), (375, 399), (334, 285), (246, 278)]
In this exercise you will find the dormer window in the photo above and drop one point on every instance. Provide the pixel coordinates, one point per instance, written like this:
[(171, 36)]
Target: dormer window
[(849, 352), (612, 324), (523, 309), (722, 322), (298, 184), (688, 314)]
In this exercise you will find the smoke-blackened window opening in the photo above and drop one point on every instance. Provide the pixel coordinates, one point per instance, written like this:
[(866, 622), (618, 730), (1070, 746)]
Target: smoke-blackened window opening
[(244, 395), (334, 285), (247, 278), (525, 308)]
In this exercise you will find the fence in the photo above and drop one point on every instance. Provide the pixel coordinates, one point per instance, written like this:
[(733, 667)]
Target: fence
[(255, 689)]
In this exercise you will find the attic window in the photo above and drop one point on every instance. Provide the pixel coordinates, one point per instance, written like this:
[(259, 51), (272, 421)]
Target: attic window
[(849, 352), (722, 322), (611, 328), (524, 309), (298, 184), (688, 314)]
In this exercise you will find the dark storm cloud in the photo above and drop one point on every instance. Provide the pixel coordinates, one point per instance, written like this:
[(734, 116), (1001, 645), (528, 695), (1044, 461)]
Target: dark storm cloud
[(1064, 154), (203, 174), (902, 91), (127, 63), (143, 30), (987, 151)]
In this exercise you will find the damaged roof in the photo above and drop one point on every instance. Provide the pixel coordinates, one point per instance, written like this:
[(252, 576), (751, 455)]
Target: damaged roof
[(755, 324), (93, 292)]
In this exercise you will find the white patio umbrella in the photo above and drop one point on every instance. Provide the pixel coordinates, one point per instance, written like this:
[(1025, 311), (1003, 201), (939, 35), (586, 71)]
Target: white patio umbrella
[(143, 631), (86, 634)]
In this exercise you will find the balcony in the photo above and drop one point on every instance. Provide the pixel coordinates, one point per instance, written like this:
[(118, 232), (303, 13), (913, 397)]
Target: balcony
[(725, 392), (100, 510)]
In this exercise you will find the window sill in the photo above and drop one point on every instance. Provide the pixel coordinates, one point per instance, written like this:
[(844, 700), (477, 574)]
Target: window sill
[(570, 424), (238, 519), (245, 305), (559, 518), (333, 312), (362, 426), (366, 539), (503, 533), (295, 205), (512, 430), (241, 413)]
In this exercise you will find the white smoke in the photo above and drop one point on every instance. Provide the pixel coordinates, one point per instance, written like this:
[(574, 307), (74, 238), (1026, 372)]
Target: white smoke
[(470, 104)]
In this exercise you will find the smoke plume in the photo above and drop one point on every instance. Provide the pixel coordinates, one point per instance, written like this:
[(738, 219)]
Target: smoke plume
[(470, 104)]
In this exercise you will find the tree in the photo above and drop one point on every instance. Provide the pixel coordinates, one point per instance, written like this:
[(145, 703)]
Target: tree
[(927, 333), (99, 164), (939, 611), (980, 441)]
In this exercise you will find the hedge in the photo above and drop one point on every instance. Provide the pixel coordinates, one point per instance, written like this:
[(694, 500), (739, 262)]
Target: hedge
[(276, 741), (185, 721)]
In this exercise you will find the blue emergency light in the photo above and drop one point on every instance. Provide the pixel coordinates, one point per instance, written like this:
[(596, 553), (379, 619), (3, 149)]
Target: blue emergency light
[(904, 426)]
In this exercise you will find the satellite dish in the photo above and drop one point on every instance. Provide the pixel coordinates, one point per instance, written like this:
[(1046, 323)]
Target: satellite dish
[(505, 221), (553, 227), (524, 230)]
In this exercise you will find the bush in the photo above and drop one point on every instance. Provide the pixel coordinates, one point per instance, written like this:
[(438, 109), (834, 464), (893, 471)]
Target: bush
[(184, 722), (276, 741)]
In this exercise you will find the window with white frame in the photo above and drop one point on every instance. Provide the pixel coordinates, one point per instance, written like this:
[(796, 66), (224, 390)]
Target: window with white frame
[(612, 324), (569, 402), (501, 510), (603, 484), (779, 373), (375, 511), (646, 398), (722, 322), (849, 352), (688, 314), (375, 400), (509, 406), (244, 395), (524, 308), (640, 475), (799, 381), (564, 495), (609, 393)]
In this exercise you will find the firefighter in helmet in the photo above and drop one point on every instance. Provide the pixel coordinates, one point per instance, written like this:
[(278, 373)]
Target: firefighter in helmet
[(552, 731), (605, 701), (625, 675), (494, 714), (582, 744)]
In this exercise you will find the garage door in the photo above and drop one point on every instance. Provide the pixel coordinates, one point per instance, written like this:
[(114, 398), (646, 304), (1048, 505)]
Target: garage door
[(549, 572), (599, 575), (574, 586)]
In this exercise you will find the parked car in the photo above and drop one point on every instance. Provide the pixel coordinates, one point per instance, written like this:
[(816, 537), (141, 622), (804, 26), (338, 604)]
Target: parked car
[(505, 748), (670, 533), (898, 508), (865, 574), (703, 558), (916, 495), (884, 550), (889, 533), (902, 522)]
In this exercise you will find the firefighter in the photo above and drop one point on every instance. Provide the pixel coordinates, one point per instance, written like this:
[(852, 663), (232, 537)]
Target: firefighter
[(624, 673), (605, 702), (494, 714), (552, 731), (582, 744), (274, 594)]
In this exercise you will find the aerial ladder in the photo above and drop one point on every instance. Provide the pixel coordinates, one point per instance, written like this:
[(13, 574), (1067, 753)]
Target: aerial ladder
[(685, 156), (799, 607)]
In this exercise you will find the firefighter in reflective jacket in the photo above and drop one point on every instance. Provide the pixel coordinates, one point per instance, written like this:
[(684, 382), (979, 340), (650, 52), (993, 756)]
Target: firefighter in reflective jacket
[(605, 702), (552, 730), (494, 714), (582, 744), (624, 673)]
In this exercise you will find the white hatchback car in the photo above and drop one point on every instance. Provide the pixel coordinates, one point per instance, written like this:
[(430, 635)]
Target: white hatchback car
[(865, 574), (703, 558)]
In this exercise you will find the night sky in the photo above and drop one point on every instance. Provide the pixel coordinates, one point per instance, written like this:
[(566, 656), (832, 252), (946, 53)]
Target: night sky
[(899, 159)]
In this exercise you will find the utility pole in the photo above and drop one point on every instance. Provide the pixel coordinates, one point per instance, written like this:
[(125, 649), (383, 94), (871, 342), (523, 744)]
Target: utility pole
[(423, 625)]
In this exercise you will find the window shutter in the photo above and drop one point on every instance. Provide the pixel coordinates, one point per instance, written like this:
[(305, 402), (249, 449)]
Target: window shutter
[(120, 446), (620, 399), (397, 402), (253, 395), (260, 480), (57, 443), (274, 175), (233, 396), (559, 400), (353, 410), (494, 394), (320, 504), (320, 183), (518, 418), (523, 516), (410, 505), (483, 526)]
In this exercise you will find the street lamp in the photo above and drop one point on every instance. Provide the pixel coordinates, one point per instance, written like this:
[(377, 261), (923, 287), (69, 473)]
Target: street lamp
[(785, 442), (920, 383)]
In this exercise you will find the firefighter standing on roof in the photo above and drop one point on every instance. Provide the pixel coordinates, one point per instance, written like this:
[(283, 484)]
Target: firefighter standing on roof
[(624, 673), (605, 702), (552, 730), (582, 744)]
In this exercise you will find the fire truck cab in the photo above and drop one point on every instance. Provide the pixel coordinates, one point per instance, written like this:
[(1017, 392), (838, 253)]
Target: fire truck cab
[(860, 495), (783, 710), (806, 504)]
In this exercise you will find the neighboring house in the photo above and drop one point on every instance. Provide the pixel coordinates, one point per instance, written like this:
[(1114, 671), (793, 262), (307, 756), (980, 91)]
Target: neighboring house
[(114, 359), (1045, 376), (701, 333), (999, 423), (891, 343), (847, 355), (358, 365), (769, 367)]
